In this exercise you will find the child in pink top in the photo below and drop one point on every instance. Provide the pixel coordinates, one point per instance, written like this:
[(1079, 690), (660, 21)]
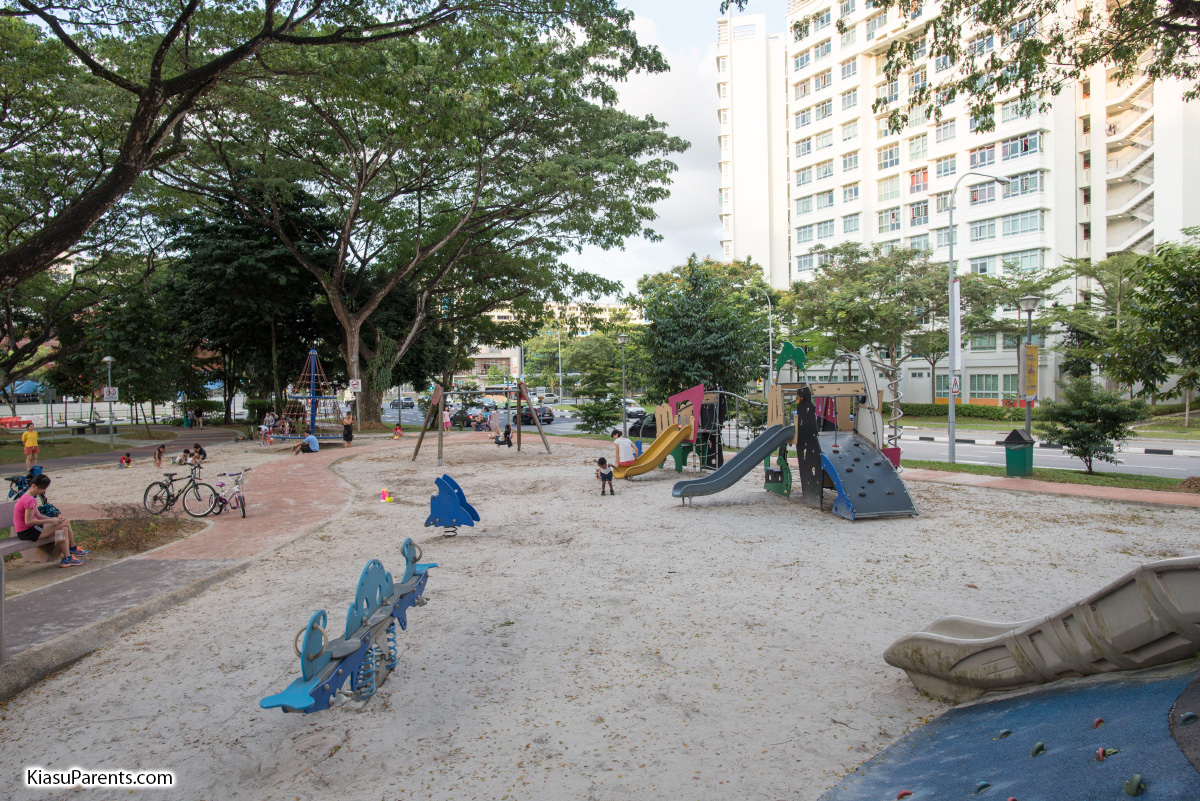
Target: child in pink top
[(30, 526)]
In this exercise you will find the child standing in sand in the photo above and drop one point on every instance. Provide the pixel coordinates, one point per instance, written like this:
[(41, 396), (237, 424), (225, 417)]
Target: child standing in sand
[(159, 452), (605, 474)]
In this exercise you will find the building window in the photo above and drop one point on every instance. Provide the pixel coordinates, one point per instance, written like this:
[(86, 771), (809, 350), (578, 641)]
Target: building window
[(804, 264), (1021, 145), (849, 131), (1012, 382), (822, 20), (849, 36), (1024, 260), (918, 180), (918, 213), (723, 64), (804, 234), (804, 118), (942, 63), (850, 223), (944, 131), (824, 140), (1026, 222), (983, 156), (920, 242), (825, 199), (918, 147), (823, 49), (1016, 110), (875, 23), (889, 188), (984, 265), (983, 230), (920, 48), (889, 246), (1010, 342), (804, 147), (722, 90), (1027, 183), (986, 386), (825, 229), (946, 167), (804, 205), (941, 386), (825, 170), (849, 193), (883, 127), (849, 99), (803, 89), (917, 81), (850, 161), (942, 202), (723, 116), (918, 116), (982, 193), (888, 92), (1086, 231), (824, 110), (889, 220), (983, 342), (804, 176), (849, 68), (823, 80), (802, 60), (724, 143), (942, 237), (847, 8), (824, 258), (889, 156), (982, 44)]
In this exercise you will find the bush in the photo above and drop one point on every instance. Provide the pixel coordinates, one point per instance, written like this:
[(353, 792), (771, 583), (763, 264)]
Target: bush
[(1089, 421), (963, 410), (257, 409), (596, 417)]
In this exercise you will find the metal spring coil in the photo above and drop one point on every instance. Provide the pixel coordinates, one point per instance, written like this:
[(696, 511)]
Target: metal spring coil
[(393, 649), (366, 676), (450, 531), (893, 436)]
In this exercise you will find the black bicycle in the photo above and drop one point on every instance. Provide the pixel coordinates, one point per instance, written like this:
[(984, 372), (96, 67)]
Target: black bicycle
[(198, 497)]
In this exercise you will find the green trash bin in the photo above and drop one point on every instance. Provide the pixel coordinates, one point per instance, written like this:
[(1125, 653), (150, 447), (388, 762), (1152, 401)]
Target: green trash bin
[(1018, 451)]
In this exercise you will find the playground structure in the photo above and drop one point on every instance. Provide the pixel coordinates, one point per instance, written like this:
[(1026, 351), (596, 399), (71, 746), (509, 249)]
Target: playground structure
[(319, 412), (449, 508), (841, 444), (1148, 617), (368, 652), (437, 406)]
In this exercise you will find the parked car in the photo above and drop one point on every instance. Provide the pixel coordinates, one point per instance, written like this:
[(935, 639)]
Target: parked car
[(633, 409), (544, 413), (407, 403), (469, 418), (549, 397), (646, 426)]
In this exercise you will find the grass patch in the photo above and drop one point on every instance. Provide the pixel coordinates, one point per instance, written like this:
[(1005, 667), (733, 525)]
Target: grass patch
[(1122, 480), (138, 434), (966, 423), (1169, 428), (52, 449)]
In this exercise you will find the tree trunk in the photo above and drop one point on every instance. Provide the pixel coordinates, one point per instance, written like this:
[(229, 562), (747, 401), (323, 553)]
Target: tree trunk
[(226, 393), (278, 390), (153, 413), (1187, 408)]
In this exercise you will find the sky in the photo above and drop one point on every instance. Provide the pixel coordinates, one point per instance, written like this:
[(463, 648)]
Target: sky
[(686, 99)]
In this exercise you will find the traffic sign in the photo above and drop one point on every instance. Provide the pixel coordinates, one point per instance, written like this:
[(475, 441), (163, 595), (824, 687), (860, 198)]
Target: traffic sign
[(111, 394), (356, 385), (955, 388)]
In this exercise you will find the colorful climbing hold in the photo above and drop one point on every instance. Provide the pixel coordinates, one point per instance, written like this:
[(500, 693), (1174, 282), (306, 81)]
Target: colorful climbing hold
[(979, 788), (1100, 754), (903, 794), (1188, 717), (1038, 748), (1135, 785), (1097, 723), (1004, 733)]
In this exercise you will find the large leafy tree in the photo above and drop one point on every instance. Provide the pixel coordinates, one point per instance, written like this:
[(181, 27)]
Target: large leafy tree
[(1101, 311), (496, 151), (701, 327), (157, 62)]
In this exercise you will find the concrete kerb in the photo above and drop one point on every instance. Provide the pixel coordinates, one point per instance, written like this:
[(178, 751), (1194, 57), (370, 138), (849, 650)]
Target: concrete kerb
[(32, 665)]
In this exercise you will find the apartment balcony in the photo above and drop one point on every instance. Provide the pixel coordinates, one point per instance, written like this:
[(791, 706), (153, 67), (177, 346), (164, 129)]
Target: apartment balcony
[(1085, 177), (1127, 196), (1140, 88), (1083, 140), (1132, 232), (1083, 248), (1130, 159), (1083, 107), (1083, 213), (1133, 125)]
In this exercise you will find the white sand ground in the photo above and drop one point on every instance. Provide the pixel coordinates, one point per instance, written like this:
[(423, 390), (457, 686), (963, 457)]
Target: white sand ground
[(576, 646)]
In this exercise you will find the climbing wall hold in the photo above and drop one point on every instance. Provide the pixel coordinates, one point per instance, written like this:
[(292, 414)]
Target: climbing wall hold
[(1188, 718), (1003, 733), (979, 788), (1135, 785), (1038, 748), (1097, 723)]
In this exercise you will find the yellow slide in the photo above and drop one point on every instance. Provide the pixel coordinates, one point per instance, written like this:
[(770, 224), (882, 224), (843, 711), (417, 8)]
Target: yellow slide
[(653, 456)]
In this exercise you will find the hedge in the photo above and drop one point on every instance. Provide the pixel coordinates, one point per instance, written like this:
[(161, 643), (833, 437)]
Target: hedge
[(965, 410)]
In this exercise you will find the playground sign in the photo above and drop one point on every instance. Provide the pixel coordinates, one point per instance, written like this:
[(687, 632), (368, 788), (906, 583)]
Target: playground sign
[(955, 389), (355, 385), (111, 394), (1029, 375)]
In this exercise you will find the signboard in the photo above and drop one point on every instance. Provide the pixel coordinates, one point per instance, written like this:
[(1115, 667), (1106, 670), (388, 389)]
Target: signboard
[(955, 387), (1029, 375), (955, 329), (355, 385), (110, 394)]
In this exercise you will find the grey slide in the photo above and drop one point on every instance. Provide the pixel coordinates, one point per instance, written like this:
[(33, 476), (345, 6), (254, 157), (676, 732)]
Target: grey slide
[(753, 455)]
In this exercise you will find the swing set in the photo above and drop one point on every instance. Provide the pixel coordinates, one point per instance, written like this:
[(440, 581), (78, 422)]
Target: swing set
[(437, 408)]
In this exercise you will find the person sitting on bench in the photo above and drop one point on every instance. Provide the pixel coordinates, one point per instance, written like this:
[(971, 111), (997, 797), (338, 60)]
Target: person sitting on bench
[(307, 445), (30, 526)]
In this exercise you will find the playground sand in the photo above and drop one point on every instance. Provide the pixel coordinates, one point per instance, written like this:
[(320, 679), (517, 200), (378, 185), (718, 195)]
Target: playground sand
[(578, 646)]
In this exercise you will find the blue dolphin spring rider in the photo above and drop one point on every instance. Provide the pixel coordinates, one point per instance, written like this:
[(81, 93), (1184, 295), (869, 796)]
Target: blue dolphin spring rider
[(449, 508), (367, 654)]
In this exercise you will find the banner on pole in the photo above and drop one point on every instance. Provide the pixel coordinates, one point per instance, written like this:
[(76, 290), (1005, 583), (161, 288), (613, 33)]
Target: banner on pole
[(1029, 373), (955, 329)]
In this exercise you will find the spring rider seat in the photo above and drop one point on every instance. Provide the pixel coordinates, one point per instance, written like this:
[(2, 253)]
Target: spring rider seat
[(449, 508)]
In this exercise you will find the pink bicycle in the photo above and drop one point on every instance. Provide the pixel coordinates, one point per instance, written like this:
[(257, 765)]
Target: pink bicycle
[(230, 495)]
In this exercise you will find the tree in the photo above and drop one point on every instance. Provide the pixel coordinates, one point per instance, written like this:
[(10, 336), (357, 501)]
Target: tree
[(499, 150), (1164, 310), (1030, 49), (1089, 421), (1102, 311), (701, 329), (156, 63)]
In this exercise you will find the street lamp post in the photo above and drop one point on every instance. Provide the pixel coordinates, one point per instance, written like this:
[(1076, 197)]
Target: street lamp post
[(1028, 304), (623, 338), (954, 366), (108, 362), (770, 337), (558, 333)]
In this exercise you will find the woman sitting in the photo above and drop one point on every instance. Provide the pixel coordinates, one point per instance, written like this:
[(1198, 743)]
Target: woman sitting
[(31, 526)]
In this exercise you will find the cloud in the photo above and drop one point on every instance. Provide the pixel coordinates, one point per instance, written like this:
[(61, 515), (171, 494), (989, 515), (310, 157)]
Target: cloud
[(685, 99)]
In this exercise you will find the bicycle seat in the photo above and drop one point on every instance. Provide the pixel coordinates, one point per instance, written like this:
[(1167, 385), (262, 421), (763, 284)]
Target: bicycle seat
[(170, 475)]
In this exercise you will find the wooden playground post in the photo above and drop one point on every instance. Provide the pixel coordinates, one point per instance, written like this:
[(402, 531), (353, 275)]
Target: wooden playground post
[(520, 394), (433, 401), (441, 427), (536, 421)]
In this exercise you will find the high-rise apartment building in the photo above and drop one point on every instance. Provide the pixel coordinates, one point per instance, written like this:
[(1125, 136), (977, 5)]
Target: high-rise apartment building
[(751, 112), (1082, 177)]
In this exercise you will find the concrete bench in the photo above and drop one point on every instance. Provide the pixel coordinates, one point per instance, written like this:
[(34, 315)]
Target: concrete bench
[(40, 551)]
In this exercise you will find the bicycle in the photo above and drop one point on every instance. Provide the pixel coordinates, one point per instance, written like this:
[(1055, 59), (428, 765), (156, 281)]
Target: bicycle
[(198, 498), (17, 486), (234, 499)]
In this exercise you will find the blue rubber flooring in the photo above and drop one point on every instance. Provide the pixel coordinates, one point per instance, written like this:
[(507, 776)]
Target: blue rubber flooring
[(947, 758)]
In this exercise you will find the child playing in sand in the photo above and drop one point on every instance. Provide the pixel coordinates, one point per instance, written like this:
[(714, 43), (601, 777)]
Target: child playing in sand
[(398, 431), (124, 462), (159, 452), (605, 474)]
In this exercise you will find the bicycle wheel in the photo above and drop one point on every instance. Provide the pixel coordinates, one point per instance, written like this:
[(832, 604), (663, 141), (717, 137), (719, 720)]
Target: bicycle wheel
[(198, 499), (157, 498), (241, 503), (218, 507)]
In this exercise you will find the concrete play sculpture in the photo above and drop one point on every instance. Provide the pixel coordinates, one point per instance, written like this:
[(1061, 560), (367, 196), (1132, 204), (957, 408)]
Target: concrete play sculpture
[(1150, 616)]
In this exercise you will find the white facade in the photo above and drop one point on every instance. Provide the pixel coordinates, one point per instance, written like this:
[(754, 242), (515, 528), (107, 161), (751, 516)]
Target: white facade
[(751, 112), (1083, 173)]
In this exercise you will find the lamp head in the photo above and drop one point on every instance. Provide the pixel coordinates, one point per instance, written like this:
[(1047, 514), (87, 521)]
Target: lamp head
[(622, 338), (108, 360), (1028, 303)]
